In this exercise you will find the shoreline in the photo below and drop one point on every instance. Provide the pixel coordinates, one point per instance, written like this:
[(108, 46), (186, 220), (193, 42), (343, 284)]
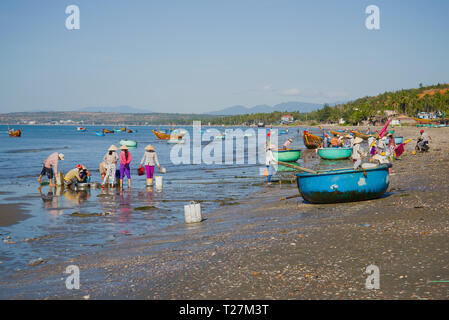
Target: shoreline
[(264, 248)]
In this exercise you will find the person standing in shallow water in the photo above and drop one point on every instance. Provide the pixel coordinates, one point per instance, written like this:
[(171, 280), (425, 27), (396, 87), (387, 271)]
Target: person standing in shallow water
[(50, 164), (149, 159), (110, 161), (125, 160)]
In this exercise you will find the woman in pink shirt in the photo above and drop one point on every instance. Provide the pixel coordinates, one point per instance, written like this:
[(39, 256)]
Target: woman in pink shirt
[(125, 160)]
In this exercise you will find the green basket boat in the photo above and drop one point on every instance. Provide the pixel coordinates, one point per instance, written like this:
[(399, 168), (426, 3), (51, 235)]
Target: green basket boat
[(128, 143), (291, 155), (335, 153)]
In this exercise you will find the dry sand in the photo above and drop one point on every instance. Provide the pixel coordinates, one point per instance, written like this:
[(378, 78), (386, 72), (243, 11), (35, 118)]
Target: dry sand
[(270, 249)]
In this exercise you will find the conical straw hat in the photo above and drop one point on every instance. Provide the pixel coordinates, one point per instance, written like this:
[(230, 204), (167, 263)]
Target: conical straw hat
[(112, 148), (123, 147), (149, 147)]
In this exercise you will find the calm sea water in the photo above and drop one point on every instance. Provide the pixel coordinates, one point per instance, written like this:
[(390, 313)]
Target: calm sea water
[(57, 234)]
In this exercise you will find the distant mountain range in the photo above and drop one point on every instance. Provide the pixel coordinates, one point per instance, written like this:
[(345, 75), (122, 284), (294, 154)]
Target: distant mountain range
[(285, 106), (118, 109)]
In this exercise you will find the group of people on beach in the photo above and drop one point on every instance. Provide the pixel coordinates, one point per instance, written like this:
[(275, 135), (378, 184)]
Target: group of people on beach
[(108, 168), (380, 149)]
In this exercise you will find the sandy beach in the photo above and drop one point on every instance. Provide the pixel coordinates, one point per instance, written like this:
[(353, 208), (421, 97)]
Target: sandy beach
[(264, 248)]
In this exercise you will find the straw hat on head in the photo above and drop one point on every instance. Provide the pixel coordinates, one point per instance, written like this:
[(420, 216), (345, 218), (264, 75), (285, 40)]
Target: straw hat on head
[(290, 139), (61, 156), (149, 147), (348, 136), (271, 147), (112, 148), (123, 147), (358, 140), (389, 135)]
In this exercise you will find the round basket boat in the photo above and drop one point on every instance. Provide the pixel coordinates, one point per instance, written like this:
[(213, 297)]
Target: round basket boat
[(128, 143), (291, 155), (334, 153), (398, 140)]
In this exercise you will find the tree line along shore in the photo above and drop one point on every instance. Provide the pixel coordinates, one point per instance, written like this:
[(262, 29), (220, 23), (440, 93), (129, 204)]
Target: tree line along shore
[(370, 109)]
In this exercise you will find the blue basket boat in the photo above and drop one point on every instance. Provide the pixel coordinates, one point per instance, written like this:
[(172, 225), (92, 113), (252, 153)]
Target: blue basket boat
[(335, 153), (398, 140), (344, 185), (290, 155)]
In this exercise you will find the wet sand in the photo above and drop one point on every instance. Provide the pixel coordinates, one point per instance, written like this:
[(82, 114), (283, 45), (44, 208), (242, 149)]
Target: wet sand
[(264, 248), (11, 213)]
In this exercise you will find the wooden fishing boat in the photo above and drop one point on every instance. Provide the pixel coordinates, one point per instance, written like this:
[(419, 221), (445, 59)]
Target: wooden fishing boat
[(283, 132), (165, 136), (430, 121), (128, 143), (344, 185), (312, 141), (130, 131), (107, 131), (15, 133), (289, 155), (334, 153), (338, 133), (82, 129), (359, 134), (99, 133)]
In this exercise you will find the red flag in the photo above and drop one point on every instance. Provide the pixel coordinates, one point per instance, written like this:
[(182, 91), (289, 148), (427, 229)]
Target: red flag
[(384, 129)]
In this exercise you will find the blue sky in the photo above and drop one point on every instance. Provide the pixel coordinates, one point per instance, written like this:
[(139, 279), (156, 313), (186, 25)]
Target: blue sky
[(199, 56)]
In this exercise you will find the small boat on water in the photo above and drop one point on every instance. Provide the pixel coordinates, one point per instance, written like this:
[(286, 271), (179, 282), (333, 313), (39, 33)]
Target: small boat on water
[(334, 153), (130, 131), (344, 185), (107, 131), (15, 133), (398, 140), (290, 155), (118, 130), (261, 125), (128, 143), (312, 141), (82, 129), (283, 132), (164, 136), (99, 133)]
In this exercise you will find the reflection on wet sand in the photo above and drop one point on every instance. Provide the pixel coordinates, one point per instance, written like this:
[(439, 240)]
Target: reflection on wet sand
[(51, 200)]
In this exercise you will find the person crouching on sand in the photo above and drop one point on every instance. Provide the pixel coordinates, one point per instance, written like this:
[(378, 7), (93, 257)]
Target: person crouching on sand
[(125, 160), (149, 159), (110, 163), (51, 167), (73, 177)]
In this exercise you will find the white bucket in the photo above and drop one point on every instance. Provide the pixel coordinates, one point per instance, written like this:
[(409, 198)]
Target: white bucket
[(158, 180), (59, 179), (192, 212)]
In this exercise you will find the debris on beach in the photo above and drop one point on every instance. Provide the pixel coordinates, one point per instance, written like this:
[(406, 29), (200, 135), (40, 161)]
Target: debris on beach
[(36, 262), (84, 215)]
